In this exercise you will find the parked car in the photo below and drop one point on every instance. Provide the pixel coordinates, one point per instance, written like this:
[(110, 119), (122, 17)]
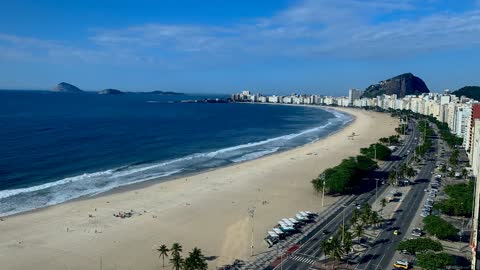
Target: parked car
[(424, 214)]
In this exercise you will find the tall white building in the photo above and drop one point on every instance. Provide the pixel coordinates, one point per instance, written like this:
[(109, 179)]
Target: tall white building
[(354, 94)]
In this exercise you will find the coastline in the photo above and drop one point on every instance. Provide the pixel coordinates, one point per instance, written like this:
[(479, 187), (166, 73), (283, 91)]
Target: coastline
[(148, 183), (207, 209)]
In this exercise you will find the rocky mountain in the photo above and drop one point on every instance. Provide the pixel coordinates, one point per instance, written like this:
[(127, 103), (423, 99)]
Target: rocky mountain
[(472, 92), (401, 85), (66, 87), (110, 92)]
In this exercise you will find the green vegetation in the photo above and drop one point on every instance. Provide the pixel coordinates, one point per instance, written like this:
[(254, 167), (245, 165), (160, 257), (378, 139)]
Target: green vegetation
[(345, 177), (451, 139), (394, 139), (460, 200), (440, 228), (453, 160), (333, 248), (434, 261), (472, 92), (162, 253), (195, 260), (414, 246), (377, 150)]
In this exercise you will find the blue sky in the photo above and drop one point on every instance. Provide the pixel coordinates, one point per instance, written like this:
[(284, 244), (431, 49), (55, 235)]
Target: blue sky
[(215, 46)]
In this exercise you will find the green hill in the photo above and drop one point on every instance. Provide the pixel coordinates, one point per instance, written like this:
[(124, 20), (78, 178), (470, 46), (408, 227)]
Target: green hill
[(472, 92)]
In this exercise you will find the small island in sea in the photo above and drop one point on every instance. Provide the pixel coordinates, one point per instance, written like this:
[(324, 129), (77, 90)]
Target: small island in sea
[(66, 87), (110, 92)]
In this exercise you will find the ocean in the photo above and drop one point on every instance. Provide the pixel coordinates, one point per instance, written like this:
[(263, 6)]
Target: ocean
[(55, 147)]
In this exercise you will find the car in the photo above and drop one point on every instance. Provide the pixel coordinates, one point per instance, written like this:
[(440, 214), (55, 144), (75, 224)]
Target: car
[(431, 195), (417, 232), (402, 264), (396, 232), (424, 214), (325, 232), (425, 190)]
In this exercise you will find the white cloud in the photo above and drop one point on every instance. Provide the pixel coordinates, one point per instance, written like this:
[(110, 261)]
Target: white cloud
[(347, 28)]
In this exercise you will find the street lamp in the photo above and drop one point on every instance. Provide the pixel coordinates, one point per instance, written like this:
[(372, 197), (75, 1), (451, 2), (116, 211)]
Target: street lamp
[(343, 223), (323, 192), (251, 213)]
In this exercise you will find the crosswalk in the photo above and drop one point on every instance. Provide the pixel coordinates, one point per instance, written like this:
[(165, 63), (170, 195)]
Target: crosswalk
[(303, 259)]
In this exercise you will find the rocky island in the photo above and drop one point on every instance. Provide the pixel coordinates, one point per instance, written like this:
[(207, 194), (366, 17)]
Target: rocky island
[(110, 92), (67, 88)]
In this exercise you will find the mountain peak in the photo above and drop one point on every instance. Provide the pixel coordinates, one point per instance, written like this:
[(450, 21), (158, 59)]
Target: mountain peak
[(401, 85)]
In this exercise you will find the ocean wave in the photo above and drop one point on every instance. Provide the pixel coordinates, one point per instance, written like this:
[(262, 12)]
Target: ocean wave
[(23, 199)]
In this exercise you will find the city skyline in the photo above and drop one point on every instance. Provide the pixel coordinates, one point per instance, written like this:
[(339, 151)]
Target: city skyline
[(276, 47)]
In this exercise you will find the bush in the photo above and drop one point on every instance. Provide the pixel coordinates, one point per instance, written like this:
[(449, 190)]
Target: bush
[(440, 228), (382, 152), (343, 178), (434, 261), (460, 200), (414, 246)]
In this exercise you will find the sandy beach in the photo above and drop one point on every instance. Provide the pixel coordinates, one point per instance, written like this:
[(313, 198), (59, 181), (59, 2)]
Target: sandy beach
[(208, 210)]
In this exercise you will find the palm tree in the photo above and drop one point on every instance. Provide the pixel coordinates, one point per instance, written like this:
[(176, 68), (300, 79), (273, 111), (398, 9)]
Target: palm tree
[(176, 249), (163, 252), (347, 243), (332, 248), (355, 216), (383, 203), (195, 260), (358, 230), (392, 176), (177, 261), (410, 172)]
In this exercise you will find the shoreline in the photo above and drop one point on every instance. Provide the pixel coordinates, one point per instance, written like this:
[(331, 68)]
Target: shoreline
[(148, 183), (207, 209)]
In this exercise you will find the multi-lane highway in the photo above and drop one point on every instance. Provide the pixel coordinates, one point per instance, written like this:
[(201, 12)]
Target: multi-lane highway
[(378, 257), (310, 245)]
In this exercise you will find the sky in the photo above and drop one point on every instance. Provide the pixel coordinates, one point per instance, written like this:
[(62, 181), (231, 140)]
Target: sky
[(225, 46)]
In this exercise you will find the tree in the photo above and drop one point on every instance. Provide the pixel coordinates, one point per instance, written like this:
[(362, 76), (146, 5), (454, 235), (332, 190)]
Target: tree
[(410, 172), (177, 261), (383, 203), (392, 177), (460, 200), (440, 228), (434, 261), (176, 249), (195, 260), (377, 150), (347, 242), (414, 246), (443, 169), (335, 249), (355, 216), (384, 140), (163, 252), (358, 230), (464, 173)]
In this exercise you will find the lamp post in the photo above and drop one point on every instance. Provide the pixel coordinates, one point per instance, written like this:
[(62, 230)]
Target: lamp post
[(343, 223), (323, 192), (251, 213)]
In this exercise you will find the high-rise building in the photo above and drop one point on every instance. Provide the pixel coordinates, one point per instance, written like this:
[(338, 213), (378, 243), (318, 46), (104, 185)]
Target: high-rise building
[(353, 94)]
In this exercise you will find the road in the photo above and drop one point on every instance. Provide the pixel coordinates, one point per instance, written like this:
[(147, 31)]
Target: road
[(378, 257), (310, 249)]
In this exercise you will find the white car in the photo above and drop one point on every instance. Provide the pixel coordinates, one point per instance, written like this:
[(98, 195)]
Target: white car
[(424, 214)]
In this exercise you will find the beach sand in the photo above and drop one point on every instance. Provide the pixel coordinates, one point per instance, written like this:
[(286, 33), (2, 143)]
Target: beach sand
[(208, 210)]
